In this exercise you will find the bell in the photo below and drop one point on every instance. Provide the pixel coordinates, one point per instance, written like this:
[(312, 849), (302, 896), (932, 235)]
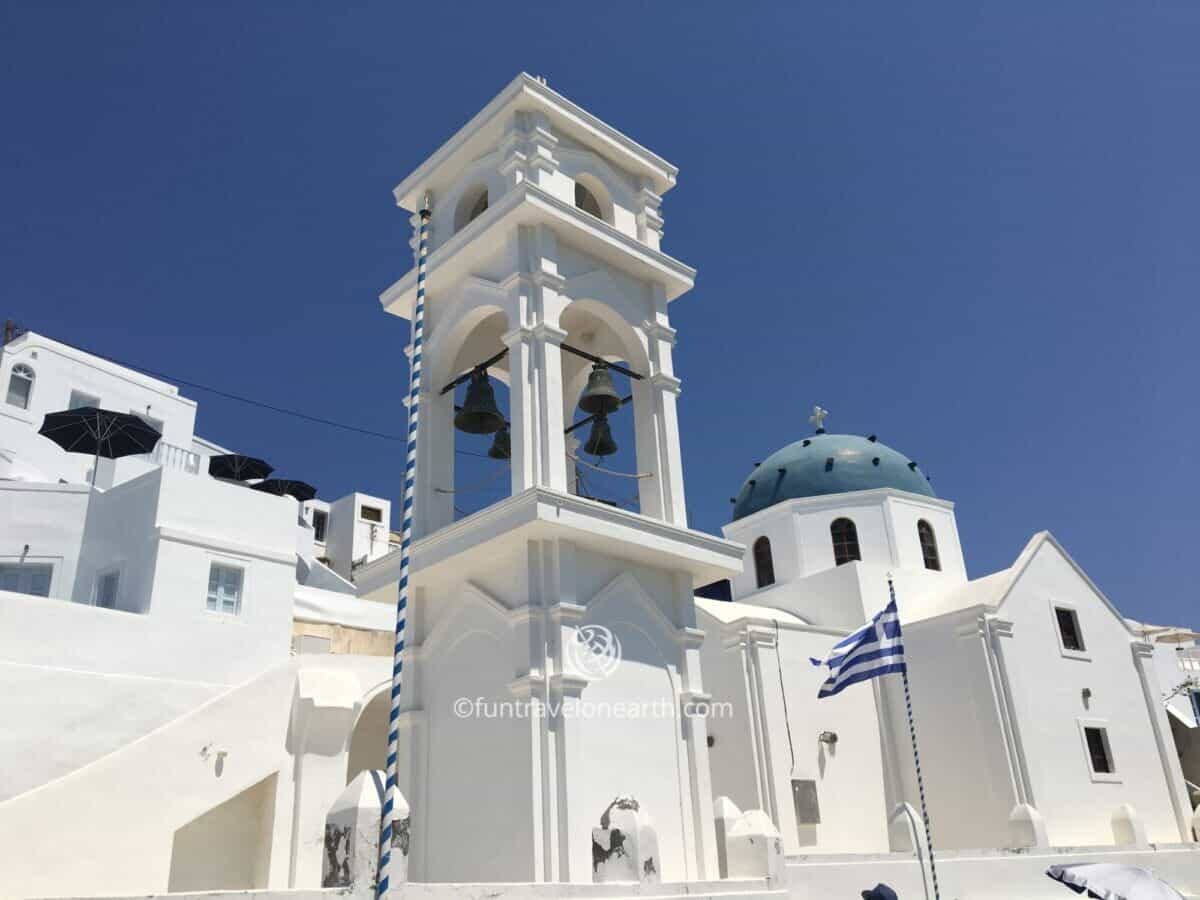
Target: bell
[(502, 445), (600, 442), (479, 414), (599, 396)]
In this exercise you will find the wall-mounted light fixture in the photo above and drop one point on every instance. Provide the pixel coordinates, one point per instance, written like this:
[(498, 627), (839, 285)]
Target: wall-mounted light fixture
[(828, 738)]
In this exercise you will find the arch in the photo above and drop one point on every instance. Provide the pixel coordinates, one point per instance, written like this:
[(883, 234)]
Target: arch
[(845, 541), (20, 386), (588, 191), (929, 547), (366, 747), (471, 205), (610, 186), (764, 564)]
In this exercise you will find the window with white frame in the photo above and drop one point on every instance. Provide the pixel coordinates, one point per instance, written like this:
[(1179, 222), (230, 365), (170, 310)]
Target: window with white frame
[(79, 399), (20, 386), (370, 514), (225, 588), (108, 585), (1068, 629), (1098, 749), (26, 578)]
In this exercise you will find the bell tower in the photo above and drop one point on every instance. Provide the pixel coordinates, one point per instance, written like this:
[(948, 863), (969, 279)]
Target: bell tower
[(545, 273)]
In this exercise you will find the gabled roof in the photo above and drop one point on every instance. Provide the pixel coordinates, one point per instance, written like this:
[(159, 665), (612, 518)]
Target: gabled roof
[(991, 591)]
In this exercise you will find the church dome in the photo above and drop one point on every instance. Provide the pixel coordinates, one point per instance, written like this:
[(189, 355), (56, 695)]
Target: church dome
[(828, 464)]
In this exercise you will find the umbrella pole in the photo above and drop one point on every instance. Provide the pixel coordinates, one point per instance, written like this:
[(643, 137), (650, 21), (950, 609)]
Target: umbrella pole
[(95, 464)]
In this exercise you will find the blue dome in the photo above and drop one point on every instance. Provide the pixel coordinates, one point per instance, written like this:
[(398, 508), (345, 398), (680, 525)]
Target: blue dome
[(828, 464)]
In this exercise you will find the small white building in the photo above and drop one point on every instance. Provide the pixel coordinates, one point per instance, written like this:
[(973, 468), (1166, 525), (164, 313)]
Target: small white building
[(194, 674)]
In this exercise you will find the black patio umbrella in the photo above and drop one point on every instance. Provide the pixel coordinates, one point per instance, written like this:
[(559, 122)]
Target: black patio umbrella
[(299, 489), (238, 467), (101, 432)]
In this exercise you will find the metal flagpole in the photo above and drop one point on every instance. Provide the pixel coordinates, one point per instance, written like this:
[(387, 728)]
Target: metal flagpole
[(410, 471), (912, 732)]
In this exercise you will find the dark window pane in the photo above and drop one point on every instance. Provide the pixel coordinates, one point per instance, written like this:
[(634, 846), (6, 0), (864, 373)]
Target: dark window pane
[(764, 565), (929, 548), (1068, 627), (1098, 750), (845, 541)]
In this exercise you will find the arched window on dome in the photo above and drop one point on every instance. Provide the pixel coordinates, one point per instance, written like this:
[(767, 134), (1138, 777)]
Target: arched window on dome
[(764, 565), (929, 548), (20, 386), (586, 200), (845, 541)]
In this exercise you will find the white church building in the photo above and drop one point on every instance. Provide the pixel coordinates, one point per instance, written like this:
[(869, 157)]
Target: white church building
[(195, 676)]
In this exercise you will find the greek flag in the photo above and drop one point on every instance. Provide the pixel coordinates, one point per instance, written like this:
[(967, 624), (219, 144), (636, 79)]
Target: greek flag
[(875, 649)]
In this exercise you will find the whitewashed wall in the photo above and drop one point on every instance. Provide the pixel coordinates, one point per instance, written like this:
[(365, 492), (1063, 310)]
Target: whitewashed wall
[(761, 666), (59, 370), (49, 520), (1048, 685)]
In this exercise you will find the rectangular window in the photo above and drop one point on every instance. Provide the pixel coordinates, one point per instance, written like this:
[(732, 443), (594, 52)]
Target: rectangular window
[(225, 589), (26, 578), (370, 514), (80, 399), (20, 386), (320, 523), (1068, 629), (1099, 753), (107, 585)]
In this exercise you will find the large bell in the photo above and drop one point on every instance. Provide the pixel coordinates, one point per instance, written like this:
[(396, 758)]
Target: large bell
[(501, 445), (600, 442), (479, 414), (599, 396)]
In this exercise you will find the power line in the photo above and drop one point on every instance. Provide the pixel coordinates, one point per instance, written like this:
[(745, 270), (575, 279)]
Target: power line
[(247, 400)]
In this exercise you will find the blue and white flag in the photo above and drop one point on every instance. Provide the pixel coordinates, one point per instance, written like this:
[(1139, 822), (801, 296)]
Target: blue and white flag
[(875, 649)]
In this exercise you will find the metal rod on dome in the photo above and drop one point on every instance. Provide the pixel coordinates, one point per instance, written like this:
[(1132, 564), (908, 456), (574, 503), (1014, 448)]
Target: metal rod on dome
[(388, 828)]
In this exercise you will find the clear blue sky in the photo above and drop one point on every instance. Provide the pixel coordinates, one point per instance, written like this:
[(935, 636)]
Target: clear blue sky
[(970, 228)]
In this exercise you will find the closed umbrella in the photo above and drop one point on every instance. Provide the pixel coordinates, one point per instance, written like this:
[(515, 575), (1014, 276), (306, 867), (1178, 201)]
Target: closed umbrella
[(299, 489), (238, 468), (100, 432), (1110, 881)]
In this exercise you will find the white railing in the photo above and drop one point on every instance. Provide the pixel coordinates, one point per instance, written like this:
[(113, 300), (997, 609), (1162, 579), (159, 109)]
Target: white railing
[(1189, 659), (170, 456)]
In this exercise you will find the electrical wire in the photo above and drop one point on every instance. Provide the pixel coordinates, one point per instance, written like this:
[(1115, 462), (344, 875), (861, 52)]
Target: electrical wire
[(247, 400)]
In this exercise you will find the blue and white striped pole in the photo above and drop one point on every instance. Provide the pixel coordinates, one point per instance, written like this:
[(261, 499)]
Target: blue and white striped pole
[(406, 528), (912, 733)]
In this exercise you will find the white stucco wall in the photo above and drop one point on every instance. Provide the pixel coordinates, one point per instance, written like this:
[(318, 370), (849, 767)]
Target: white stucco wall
[(59, 370), (1047, 688), (761, 666), (48, 519)]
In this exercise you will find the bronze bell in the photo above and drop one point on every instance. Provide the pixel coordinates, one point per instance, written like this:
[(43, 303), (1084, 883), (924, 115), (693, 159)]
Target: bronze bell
[(599, 396), (479, 414), (600, 442), (502, 445)]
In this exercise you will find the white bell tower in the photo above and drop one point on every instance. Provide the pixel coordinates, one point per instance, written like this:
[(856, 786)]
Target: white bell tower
[(544, 257)]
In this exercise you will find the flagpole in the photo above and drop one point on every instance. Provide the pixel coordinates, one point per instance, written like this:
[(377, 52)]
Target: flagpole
[(912, 732)]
